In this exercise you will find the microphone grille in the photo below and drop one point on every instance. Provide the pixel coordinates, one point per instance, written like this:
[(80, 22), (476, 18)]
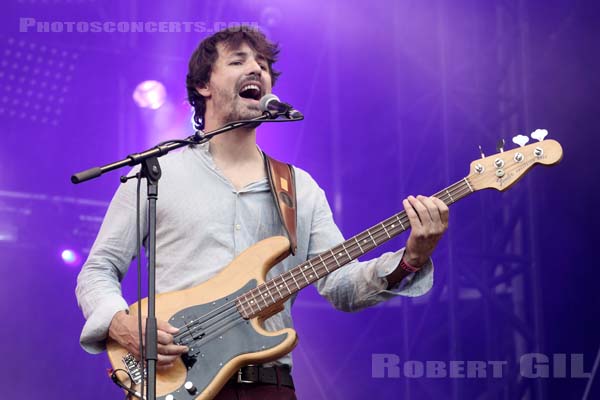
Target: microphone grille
[(266, 99)]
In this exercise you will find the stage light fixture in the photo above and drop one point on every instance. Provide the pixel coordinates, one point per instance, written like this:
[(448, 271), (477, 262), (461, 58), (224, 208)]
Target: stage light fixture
[(70, 257), (150, 94), (34, 79)]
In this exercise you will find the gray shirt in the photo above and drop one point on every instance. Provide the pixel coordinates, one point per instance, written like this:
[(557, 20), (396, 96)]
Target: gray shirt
[(203, 223)]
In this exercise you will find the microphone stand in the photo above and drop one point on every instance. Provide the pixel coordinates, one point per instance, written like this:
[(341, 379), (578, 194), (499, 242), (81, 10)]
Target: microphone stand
[(150, 169)]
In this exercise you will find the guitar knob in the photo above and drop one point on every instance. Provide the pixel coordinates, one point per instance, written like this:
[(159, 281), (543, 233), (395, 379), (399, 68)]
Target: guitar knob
[(519, 157), (169, 397), (189, 386)]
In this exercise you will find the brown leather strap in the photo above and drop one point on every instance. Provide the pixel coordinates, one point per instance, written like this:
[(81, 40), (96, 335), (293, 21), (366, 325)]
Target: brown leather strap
[(283, 187)]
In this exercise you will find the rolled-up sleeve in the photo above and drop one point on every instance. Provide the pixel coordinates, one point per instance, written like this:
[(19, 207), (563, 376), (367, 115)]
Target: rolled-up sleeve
[(360, 284), (98, 288)]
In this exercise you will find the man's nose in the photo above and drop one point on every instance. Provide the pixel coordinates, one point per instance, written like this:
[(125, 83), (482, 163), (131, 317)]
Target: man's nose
[(254, 67)]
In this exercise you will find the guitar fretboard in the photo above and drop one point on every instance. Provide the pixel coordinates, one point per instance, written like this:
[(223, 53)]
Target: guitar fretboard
[(280, 288)]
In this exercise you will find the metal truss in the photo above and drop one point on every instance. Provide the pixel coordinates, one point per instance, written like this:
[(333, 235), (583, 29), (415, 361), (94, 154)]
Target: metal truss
[(48, 222), (486, 298)]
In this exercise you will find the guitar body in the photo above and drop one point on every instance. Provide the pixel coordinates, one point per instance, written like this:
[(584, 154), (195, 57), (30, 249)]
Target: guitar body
[(221, 344)]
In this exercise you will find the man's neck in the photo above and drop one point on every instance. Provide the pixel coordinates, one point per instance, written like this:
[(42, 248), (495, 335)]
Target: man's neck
[(234, 148)]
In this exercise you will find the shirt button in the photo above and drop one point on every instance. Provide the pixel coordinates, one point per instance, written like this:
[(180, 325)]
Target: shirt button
[(238, 227)]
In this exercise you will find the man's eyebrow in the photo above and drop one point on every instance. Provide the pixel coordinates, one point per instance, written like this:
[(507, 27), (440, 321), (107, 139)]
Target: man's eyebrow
[(244, 54), (239, 54)]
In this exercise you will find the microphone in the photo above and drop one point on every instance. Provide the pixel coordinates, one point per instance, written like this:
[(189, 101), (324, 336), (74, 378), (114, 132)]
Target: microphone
[(271, 104)]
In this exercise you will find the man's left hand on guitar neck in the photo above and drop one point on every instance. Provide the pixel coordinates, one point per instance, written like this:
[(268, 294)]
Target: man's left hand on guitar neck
[(428, 218)]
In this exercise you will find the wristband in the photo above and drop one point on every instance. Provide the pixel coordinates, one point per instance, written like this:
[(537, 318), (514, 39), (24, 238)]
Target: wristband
[(407, 267)]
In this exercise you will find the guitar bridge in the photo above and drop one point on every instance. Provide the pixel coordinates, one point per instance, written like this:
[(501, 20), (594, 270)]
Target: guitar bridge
[(133, 368)]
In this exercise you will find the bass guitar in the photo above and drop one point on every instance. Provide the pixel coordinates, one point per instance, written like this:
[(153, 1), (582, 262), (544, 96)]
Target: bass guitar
[(221, 319)]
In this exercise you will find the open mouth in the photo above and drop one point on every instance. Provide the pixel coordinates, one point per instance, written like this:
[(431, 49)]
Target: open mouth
[(251, 91)]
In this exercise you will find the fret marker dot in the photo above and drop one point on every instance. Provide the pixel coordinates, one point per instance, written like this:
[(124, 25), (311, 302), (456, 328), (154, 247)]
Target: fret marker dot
[(393, 225), (339, 255), (310, 276)]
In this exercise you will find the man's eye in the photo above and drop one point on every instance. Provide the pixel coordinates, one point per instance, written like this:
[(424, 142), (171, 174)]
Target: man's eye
[(263, 67), (235, 63)]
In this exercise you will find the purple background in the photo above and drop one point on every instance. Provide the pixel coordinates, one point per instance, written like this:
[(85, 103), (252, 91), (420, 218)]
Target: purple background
[(397, 96)]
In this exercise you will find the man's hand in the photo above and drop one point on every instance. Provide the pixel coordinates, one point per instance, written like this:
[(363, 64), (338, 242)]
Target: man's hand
[(428, 218), (124, 329)]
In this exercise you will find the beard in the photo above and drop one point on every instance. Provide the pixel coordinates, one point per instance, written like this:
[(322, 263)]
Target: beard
[(235, 108)]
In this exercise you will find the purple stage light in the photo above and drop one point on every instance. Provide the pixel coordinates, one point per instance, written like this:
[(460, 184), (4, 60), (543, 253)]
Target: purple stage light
[(270, 17), (150, 94), (70, 257)]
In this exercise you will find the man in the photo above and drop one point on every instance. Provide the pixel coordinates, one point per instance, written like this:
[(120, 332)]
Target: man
[(215, 202)]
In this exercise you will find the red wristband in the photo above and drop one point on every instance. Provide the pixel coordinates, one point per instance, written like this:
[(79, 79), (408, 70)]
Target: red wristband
[(407, 267)]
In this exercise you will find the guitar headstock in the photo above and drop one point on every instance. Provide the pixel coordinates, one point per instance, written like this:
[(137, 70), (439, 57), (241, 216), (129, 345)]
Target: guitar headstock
[(502, 170)]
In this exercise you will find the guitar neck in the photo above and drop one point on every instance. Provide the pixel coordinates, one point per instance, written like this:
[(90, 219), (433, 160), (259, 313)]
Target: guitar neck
[(278, 289)]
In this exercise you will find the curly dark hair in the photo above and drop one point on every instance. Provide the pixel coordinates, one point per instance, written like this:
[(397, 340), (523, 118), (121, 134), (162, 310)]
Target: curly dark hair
[(204, 57)]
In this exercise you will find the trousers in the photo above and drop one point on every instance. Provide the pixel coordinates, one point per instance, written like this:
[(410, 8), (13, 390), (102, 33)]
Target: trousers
[(256, 391)]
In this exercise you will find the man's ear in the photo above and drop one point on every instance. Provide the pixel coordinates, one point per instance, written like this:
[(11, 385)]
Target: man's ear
[(203, 90)]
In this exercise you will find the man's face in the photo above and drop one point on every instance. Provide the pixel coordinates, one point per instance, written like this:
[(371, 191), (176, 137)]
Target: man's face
[(239, 78)]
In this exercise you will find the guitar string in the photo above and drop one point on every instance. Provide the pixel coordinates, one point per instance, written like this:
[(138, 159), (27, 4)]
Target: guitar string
[(224, 328), (352, 249), (377, 232), (229, 315), (206, 330), (444, 195), (327, 259), (380, 229), (464, 189), (221, 325), (377, 235)]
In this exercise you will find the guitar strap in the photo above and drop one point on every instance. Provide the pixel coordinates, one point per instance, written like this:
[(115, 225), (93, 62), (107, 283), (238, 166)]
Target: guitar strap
[(283, 188)]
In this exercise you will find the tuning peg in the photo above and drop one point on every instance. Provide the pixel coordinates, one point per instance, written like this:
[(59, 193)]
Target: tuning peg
[(539, 134), (521, 140), (500, 145), (481, 152)]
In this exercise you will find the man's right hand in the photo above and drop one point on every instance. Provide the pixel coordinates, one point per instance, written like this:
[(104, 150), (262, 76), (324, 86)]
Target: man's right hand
[(124, 330)]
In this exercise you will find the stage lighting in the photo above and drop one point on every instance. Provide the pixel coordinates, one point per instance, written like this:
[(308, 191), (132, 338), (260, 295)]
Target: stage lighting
[(34, 79), (70, 257), (150, 94), (8, 232), (270, 17)]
